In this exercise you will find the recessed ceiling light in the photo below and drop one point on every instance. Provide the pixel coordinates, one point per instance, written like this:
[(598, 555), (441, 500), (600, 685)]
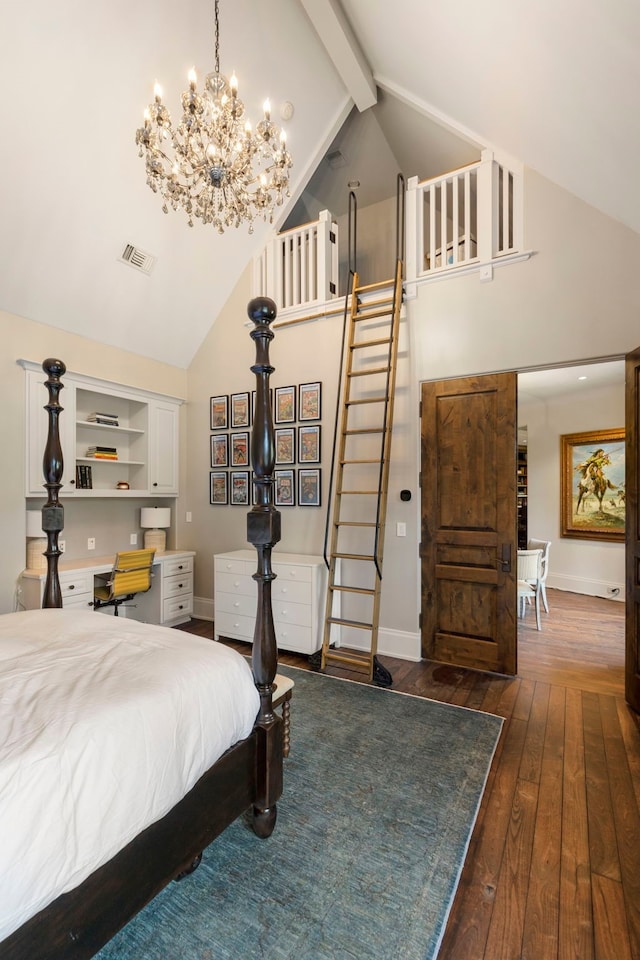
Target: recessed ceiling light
[(582, 377)]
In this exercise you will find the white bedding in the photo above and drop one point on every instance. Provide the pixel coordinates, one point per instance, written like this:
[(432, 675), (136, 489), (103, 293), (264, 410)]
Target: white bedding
[(105, 723)]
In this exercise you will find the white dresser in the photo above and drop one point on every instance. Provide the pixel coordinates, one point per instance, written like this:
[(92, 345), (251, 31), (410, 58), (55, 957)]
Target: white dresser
[(298, 598)]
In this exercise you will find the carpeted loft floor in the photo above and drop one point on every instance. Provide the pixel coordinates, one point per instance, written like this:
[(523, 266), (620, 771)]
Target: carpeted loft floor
[(381, 794)]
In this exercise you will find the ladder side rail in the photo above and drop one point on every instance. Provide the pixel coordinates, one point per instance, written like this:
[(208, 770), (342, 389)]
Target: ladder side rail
[(330, 506), (388, 417)]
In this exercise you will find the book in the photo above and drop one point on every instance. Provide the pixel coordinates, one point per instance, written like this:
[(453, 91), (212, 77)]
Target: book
[(103, 456), (109, 416), (96, 449)]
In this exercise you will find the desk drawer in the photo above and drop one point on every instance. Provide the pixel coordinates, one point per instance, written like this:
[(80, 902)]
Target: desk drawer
[(76, 588), (171, 568), (177, 607), (175, 586)]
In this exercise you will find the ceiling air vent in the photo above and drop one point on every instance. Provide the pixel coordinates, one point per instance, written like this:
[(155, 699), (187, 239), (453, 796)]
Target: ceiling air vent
[(336, 159), (137, 258)]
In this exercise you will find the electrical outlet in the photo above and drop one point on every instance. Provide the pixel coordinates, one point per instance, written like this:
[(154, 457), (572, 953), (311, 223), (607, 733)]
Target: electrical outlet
[(62, 545), (401, 529), (188, 516), (91, 543), (133, 540)]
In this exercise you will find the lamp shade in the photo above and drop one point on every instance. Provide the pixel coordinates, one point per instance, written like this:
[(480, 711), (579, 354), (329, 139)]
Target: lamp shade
[(152, 518), (34, 523), (155, 517)]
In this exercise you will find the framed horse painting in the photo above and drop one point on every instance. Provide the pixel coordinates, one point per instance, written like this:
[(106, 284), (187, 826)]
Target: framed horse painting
[(592, 485)]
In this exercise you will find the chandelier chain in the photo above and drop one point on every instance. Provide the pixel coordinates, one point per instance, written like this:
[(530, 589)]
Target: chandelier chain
[(217, 57)]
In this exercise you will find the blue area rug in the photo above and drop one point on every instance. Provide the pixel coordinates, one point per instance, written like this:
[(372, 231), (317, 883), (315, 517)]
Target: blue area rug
[(381, 794)]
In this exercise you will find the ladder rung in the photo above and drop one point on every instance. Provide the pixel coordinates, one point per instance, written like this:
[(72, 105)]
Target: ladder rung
[(365, 493), (375, 286), (362, 661), (368, 373), (335, 586), (359, 461), (375, 303), (371, 314), (352, 403), (351, 623), (369, 343), (354, 556), (350, 433), (353, 523)]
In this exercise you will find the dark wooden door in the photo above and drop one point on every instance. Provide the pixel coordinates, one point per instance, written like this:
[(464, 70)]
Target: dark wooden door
[(469, 553), (632, 485)]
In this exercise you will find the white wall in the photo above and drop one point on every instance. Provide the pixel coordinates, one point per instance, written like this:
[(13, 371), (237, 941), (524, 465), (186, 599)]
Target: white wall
[(109, 521), (583, 566)]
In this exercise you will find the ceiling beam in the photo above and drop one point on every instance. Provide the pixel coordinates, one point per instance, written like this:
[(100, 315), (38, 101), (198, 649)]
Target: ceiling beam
[(334, 30)]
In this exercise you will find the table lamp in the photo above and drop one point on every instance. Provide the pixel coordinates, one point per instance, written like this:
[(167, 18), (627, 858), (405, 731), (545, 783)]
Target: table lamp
[(151, 520), (36, 541)]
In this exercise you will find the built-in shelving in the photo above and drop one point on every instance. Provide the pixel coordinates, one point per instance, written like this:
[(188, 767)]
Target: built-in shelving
[(523, 491)]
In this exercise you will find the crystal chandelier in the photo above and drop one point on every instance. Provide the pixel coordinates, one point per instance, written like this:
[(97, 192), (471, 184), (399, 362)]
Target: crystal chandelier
[(212, 164)]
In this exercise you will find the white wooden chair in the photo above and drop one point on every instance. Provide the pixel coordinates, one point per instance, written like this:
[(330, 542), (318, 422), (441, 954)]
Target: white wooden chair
[(543, 545), (529, 572)]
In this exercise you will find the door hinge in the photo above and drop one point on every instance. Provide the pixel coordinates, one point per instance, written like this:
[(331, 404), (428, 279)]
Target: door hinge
[(332, 236), (420, 621), (420, 409), (332, 287)]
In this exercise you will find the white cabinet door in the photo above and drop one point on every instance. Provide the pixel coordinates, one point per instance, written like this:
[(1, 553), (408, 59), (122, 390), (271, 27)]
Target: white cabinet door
[(36, 434), (163, 448)]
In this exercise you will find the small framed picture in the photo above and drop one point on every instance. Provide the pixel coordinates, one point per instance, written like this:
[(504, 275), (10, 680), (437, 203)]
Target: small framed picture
[(219, 413), (285, 488), (309, 401), (285, 445), (285, 405), (218, 491), (240, 488), (309, 444), (219, 450), (309, 488), (240, 410), (239, 449)]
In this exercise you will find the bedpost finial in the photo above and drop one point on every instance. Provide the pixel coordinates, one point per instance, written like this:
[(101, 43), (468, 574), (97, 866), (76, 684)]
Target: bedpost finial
[(54, 368), (262, 310)]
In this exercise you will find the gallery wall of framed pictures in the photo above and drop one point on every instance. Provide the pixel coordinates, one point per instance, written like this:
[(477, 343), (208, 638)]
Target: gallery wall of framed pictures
[(297, 410)]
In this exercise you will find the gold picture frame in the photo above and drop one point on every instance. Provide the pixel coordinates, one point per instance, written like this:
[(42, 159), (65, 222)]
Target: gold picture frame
[(593, 485)]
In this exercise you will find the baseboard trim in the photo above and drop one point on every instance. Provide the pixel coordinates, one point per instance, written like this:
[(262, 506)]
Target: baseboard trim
[(203, 608), (607, 589), (395, 643)]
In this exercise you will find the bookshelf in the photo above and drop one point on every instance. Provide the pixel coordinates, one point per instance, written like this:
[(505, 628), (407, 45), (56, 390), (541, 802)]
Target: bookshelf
[(522, 487)]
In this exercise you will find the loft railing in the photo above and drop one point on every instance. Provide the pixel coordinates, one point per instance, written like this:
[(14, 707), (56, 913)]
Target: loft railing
[(299, 268), (469, 219), (470, 216)]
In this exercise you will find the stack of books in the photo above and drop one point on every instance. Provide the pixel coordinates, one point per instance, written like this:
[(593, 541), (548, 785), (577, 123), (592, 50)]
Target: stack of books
[(102, 453), (109, 419), (84, 480)]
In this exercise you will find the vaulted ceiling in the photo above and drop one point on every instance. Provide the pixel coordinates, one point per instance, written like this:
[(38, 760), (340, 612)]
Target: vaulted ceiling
[(553, 84)]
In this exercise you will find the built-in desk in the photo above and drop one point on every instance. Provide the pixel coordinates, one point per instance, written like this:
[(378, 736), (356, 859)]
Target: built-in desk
[(169, 601)]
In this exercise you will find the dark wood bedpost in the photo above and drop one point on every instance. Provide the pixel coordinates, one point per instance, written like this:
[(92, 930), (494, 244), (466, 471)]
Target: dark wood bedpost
[(263, 531), (52, 464)]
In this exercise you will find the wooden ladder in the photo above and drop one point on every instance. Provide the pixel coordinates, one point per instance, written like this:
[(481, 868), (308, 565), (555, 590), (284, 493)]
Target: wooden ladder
[(361, 474)]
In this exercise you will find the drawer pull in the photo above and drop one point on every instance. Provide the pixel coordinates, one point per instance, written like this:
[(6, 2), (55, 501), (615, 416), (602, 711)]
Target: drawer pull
[(180, 567), (181, 607), (284, 590), (237, 603), (180, 586), (71, 586)]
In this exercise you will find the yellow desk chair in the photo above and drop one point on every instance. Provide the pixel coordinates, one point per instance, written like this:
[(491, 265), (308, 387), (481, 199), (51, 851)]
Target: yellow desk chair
[(131, 574)]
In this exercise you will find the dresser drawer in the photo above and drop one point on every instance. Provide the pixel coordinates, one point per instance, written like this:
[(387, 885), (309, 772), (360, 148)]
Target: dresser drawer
[(172, 568), (229, 565), (236, 583), (291, 571), (174, 586), (177, 607), (236, 604), (232, 625), (291, 636), (299, 613), (290, 591)]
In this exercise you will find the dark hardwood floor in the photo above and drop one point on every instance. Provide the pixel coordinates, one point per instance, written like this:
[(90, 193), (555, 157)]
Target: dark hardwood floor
[(552, 871)]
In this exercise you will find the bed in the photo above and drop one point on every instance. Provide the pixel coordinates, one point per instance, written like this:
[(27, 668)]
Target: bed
[(126, 748)]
